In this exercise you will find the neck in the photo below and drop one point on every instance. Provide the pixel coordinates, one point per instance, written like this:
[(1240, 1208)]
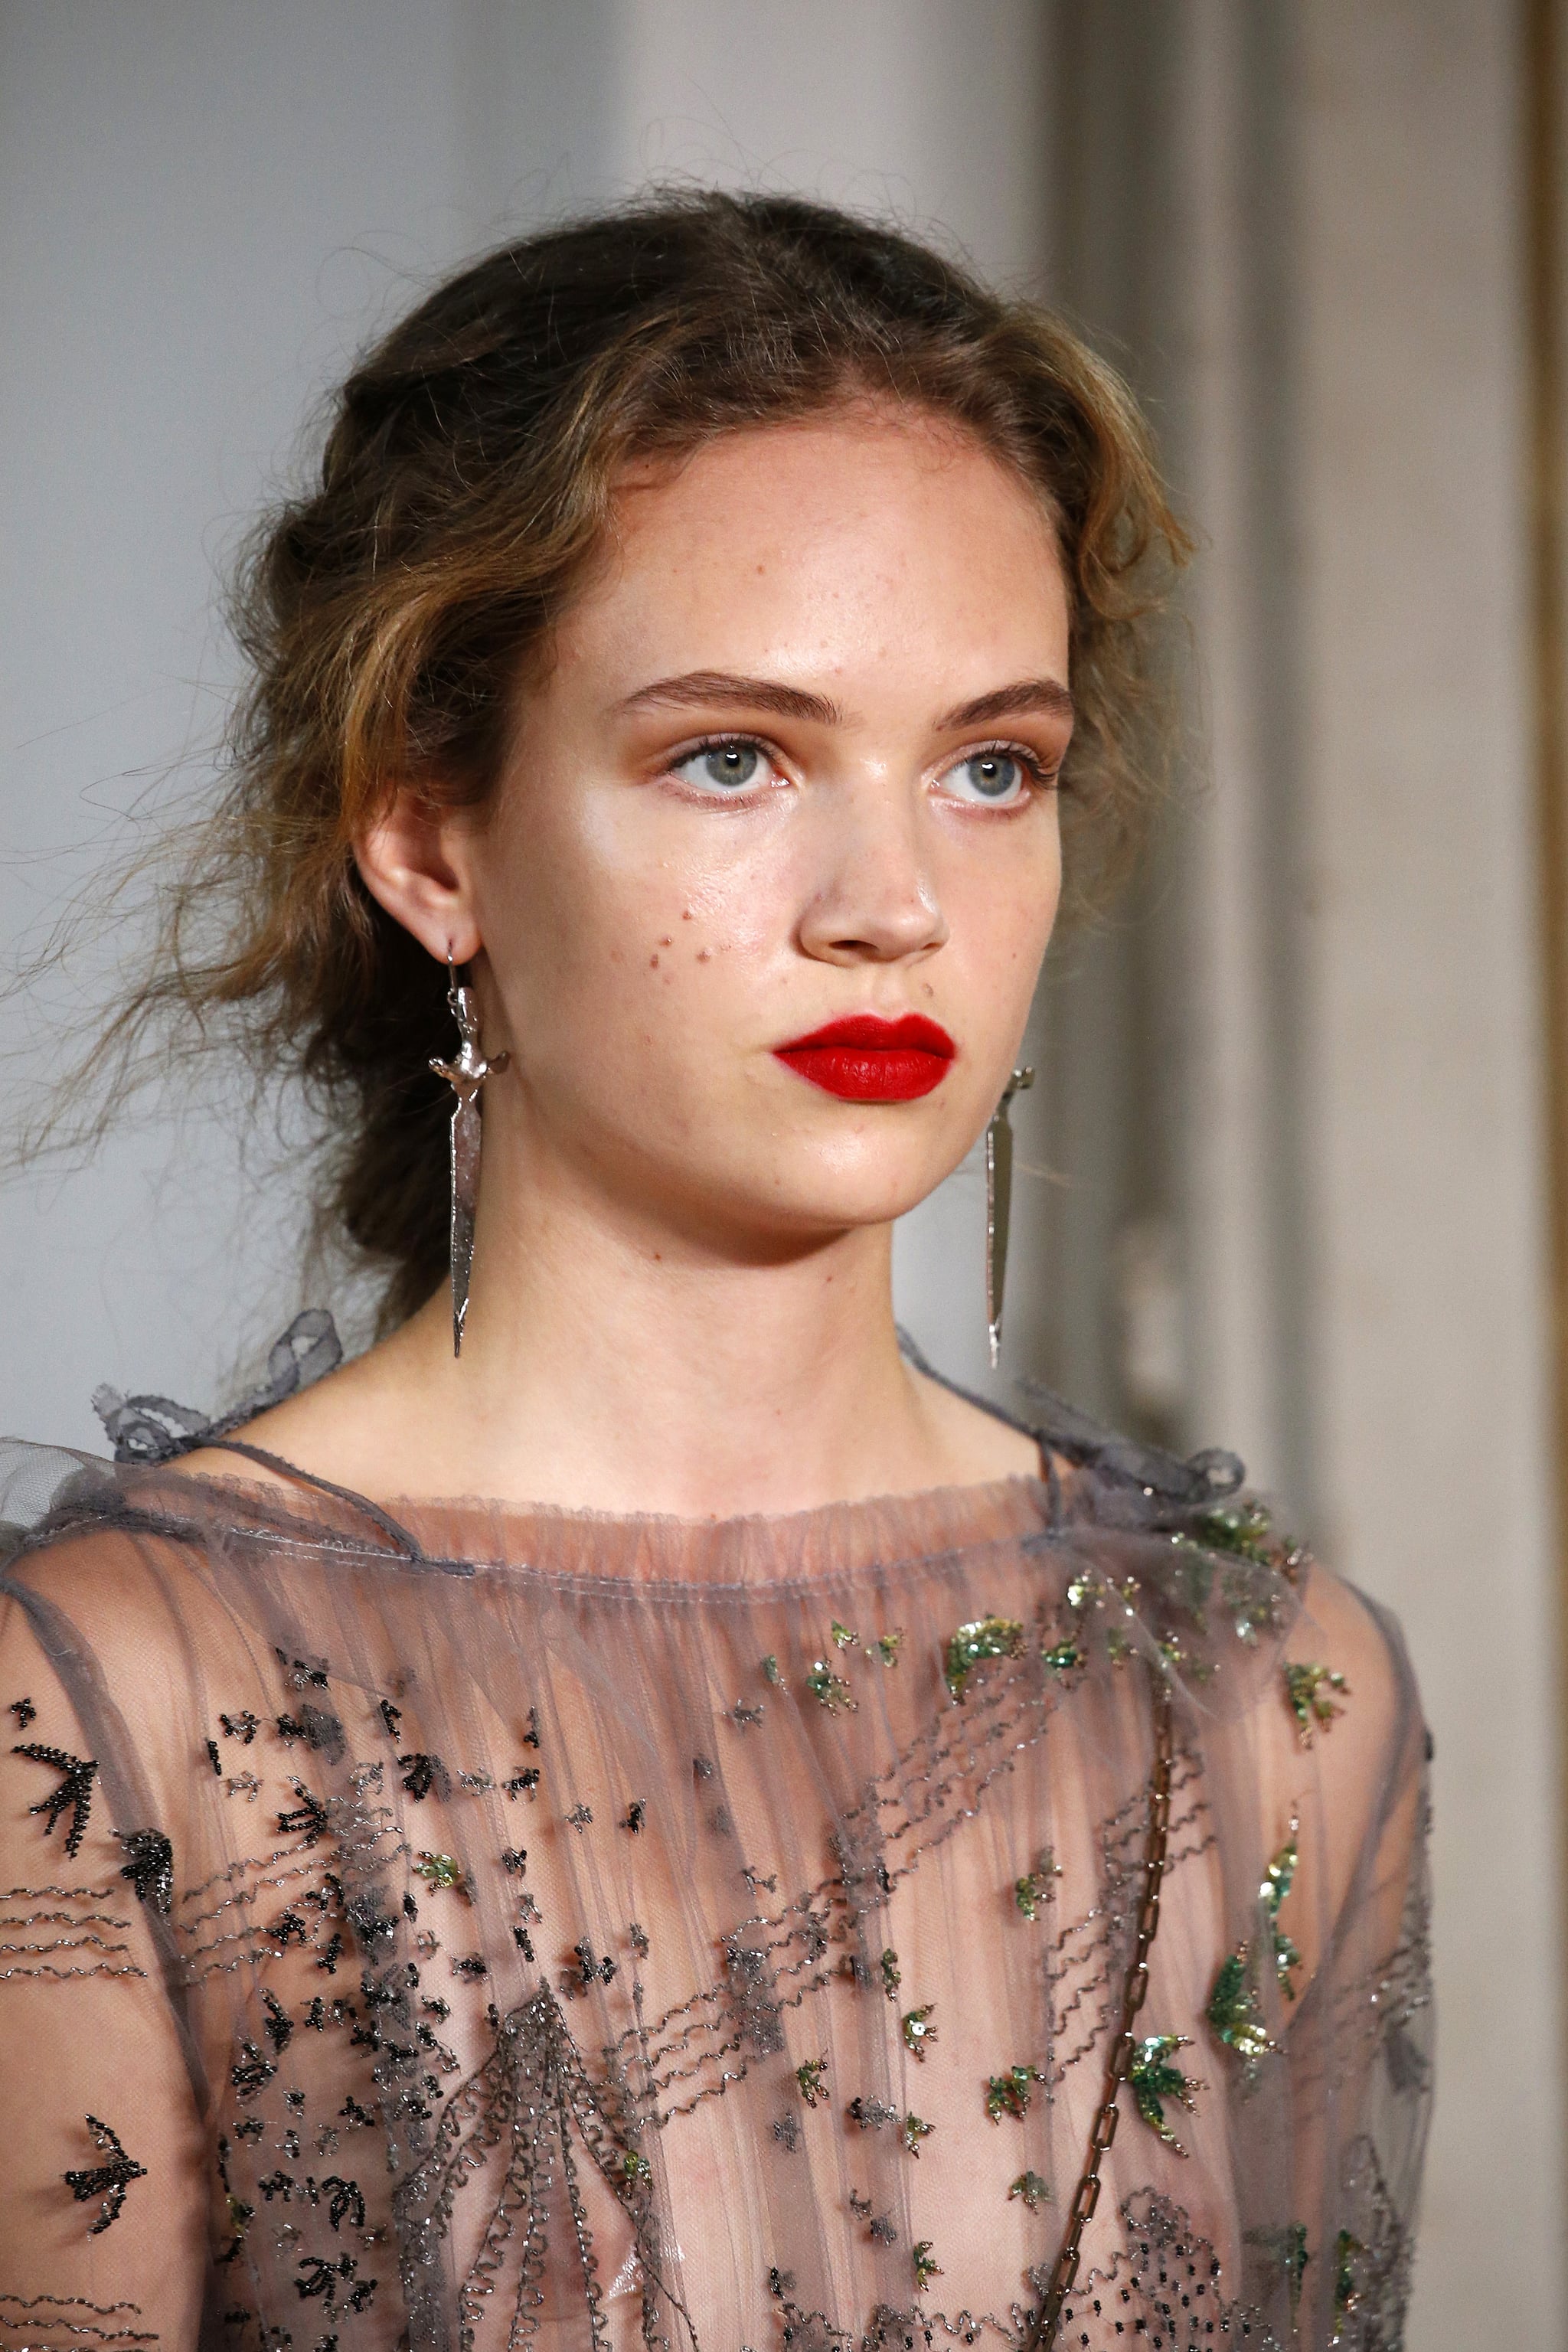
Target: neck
[(607, 1361), (612, 1363)]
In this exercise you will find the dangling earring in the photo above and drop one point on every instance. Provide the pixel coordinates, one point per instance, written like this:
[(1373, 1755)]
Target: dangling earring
[(466, 1076), (998, 1204)]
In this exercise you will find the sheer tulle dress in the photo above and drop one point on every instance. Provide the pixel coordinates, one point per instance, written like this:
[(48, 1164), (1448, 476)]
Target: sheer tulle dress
[(437, 1924)]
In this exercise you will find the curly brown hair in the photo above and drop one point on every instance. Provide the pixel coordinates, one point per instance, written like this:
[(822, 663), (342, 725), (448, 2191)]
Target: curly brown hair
[(390, 614)]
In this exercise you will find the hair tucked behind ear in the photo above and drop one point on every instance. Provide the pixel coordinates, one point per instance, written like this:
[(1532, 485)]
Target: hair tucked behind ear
[(390, 615)]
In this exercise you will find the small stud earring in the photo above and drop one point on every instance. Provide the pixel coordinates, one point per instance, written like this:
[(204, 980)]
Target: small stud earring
[(999, 1205), (465, 1076)]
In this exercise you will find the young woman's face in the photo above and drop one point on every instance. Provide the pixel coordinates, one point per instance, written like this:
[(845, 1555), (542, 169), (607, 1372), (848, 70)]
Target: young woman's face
[(793, 766)]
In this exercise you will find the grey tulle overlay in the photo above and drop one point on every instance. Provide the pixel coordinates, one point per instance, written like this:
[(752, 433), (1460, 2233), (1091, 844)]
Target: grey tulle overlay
[(448, 1924)]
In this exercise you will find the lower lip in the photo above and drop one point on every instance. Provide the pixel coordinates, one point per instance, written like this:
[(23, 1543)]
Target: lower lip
[(868, 1073)]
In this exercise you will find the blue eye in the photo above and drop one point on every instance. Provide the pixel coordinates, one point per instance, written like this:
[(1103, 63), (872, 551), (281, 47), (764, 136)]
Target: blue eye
[(987, 777), (721, 768)]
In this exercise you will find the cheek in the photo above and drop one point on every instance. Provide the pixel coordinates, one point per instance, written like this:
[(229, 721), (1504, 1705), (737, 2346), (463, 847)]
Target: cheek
[(616, 931), (1002, 914)]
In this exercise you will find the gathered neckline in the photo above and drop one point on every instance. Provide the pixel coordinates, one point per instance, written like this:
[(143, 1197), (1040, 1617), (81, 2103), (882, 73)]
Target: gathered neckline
[(578, 1544)]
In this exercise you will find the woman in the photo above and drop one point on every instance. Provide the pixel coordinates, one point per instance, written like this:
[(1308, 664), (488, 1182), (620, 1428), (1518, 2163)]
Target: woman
[(632, 1811)]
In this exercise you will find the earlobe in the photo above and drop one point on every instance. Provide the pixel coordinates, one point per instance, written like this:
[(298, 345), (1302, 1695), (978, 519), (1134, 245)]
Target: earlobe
[(407, 864)]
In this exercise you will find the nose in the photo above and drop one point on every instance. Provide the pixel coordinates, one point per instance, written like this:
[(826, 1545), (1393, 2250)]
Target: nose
[(876, 901)]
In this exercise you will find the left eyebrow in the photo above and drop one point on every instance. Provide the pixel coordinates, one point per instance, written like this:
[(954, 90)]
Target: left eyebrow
[(1046, 695)]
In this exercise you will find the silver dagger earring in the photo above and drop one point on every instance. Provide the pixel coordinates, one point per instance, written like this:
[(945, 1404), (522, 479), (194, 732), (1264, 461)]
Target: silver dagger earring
[(465, 1076), (999, 1205)]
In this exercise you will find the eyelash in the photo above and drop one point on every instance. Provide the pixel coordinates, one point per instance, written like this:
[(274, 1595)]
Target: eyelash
[(1041, 778)]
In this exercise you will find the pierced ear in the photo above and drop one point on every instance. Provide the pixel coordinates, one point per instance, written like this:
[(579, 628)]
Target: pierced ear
[(410, 862)]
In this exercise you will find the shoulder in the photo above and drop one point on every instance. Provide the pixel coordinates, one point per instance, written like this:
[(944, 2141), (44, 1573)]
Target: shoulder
[(1331, 1699), (1350, 1698), (107, 1599)]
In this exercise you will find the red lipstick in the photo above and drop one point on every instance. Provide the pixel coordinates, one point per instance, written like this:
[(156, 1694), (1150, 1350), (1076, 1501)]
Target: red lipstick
[(866, 1059)]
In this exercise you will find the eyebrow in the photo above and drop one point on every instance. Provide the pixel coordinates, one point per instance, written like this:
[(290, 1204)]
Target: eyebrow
[(1028, 694), (699, 689)]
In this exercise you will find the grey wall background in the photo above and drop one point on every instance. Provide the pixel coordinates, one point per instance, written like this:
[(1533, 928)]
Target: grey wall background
[(1291, 1110)]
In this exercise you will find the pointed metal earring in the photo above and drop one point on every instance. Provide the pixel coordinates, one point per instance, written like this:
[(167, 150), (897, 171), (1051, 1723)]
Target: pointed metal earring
[(999, 1205), (465, 1076)]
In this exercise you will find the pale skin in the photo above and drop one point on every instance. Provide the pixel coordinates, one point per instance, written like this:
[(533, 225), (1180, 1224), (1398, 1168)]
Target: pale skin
[(792, 758)]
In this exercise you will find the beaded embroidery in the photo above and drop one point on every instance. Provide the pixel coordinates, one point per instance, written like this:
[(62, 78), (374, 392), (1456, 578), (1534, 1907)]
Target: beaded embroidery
[(432, 2128)]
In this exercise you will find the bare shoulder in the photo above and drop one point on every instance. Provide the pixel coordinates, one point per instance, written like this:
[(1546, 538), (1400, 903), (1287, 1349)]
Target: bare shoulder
[(345, 1428), (973, 1446)]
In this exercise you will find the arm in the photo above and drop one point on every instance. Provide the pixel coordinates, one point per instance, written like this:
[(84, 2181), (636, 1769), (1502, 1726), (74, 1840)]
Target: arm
[(103, 2224)]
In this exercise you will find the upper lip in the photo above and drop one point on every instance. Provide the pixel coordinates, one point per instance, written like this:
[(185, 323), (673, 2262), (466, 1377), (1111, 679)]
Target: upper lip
[(910, 1033)]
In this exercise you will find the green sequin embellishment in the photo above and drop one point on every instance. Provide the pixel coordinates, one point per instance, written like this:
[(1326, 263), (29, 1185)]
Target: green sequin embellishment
[(1277, 1884), (1032, 2189), (1289, 2248), (1236, 2007), (888, 1647), (841, 1637), (828, 1689), (917, 2030), (1008, 2094), (1152, 2080), (771, 1670), (1308, 1691), (892, 1976), (927, 2267), (1244, 1532), (1347, 2291), (812, 2076), (439, 1869), (982, 1637), (636, 2167), (1236, 2014), (913, 2131), (1060, 1657), (1034, 1887)]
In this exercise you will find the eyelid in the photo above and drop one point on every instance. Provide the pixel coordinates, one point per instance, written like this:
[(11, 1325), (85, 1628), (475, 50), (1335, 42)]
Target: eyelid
[(1041, 774), (723, 740)]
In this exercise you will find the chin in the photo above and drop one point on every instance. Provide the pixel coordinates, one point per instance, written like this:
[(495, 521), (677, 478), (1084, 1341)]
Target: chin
[(825, 1200)]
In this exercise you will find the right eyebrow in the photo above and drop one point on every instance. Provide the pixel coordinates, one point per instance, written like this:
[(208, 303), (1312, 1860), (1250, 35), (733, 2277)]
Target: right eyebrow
[(700, 690)]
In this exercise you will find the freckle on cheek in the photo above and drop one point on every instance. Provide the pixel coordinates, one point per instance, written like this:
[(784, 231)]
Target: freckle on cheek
[(653, 964), (664, 943), (704, 955)]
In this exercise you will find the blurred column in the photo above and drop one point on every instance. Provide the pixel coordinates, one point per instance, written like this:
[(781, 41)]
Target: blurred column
[(1424, 1126), (1298, 1084), (1178, 1246)]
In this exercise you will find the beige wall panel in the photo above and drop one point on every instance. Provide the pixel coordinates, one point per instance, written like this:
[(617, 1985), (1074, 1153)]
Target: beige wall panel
[(1423, 1112)]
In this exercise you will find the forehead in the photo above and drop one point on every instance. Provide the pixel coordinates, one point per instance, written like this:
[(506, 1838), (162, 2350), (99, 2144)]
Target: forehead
[(834, 539)]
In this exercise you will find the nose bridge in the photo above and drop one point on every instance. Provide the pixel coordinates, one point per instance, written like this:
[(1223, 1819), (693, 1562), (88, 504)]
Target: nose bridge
[(875, 897)]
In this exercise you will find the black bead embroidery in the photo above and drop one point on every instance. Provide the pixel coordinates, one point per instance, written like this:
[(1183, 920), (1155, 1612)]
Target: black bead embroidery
[(108, 2182), (420, 1774), (150, 1867), (309, 1818), (74, 1791)]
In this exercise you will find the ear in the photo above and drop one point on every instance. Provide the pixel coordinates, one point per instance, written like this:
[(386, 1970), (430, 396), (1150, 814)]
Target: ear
[(413, 863)]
